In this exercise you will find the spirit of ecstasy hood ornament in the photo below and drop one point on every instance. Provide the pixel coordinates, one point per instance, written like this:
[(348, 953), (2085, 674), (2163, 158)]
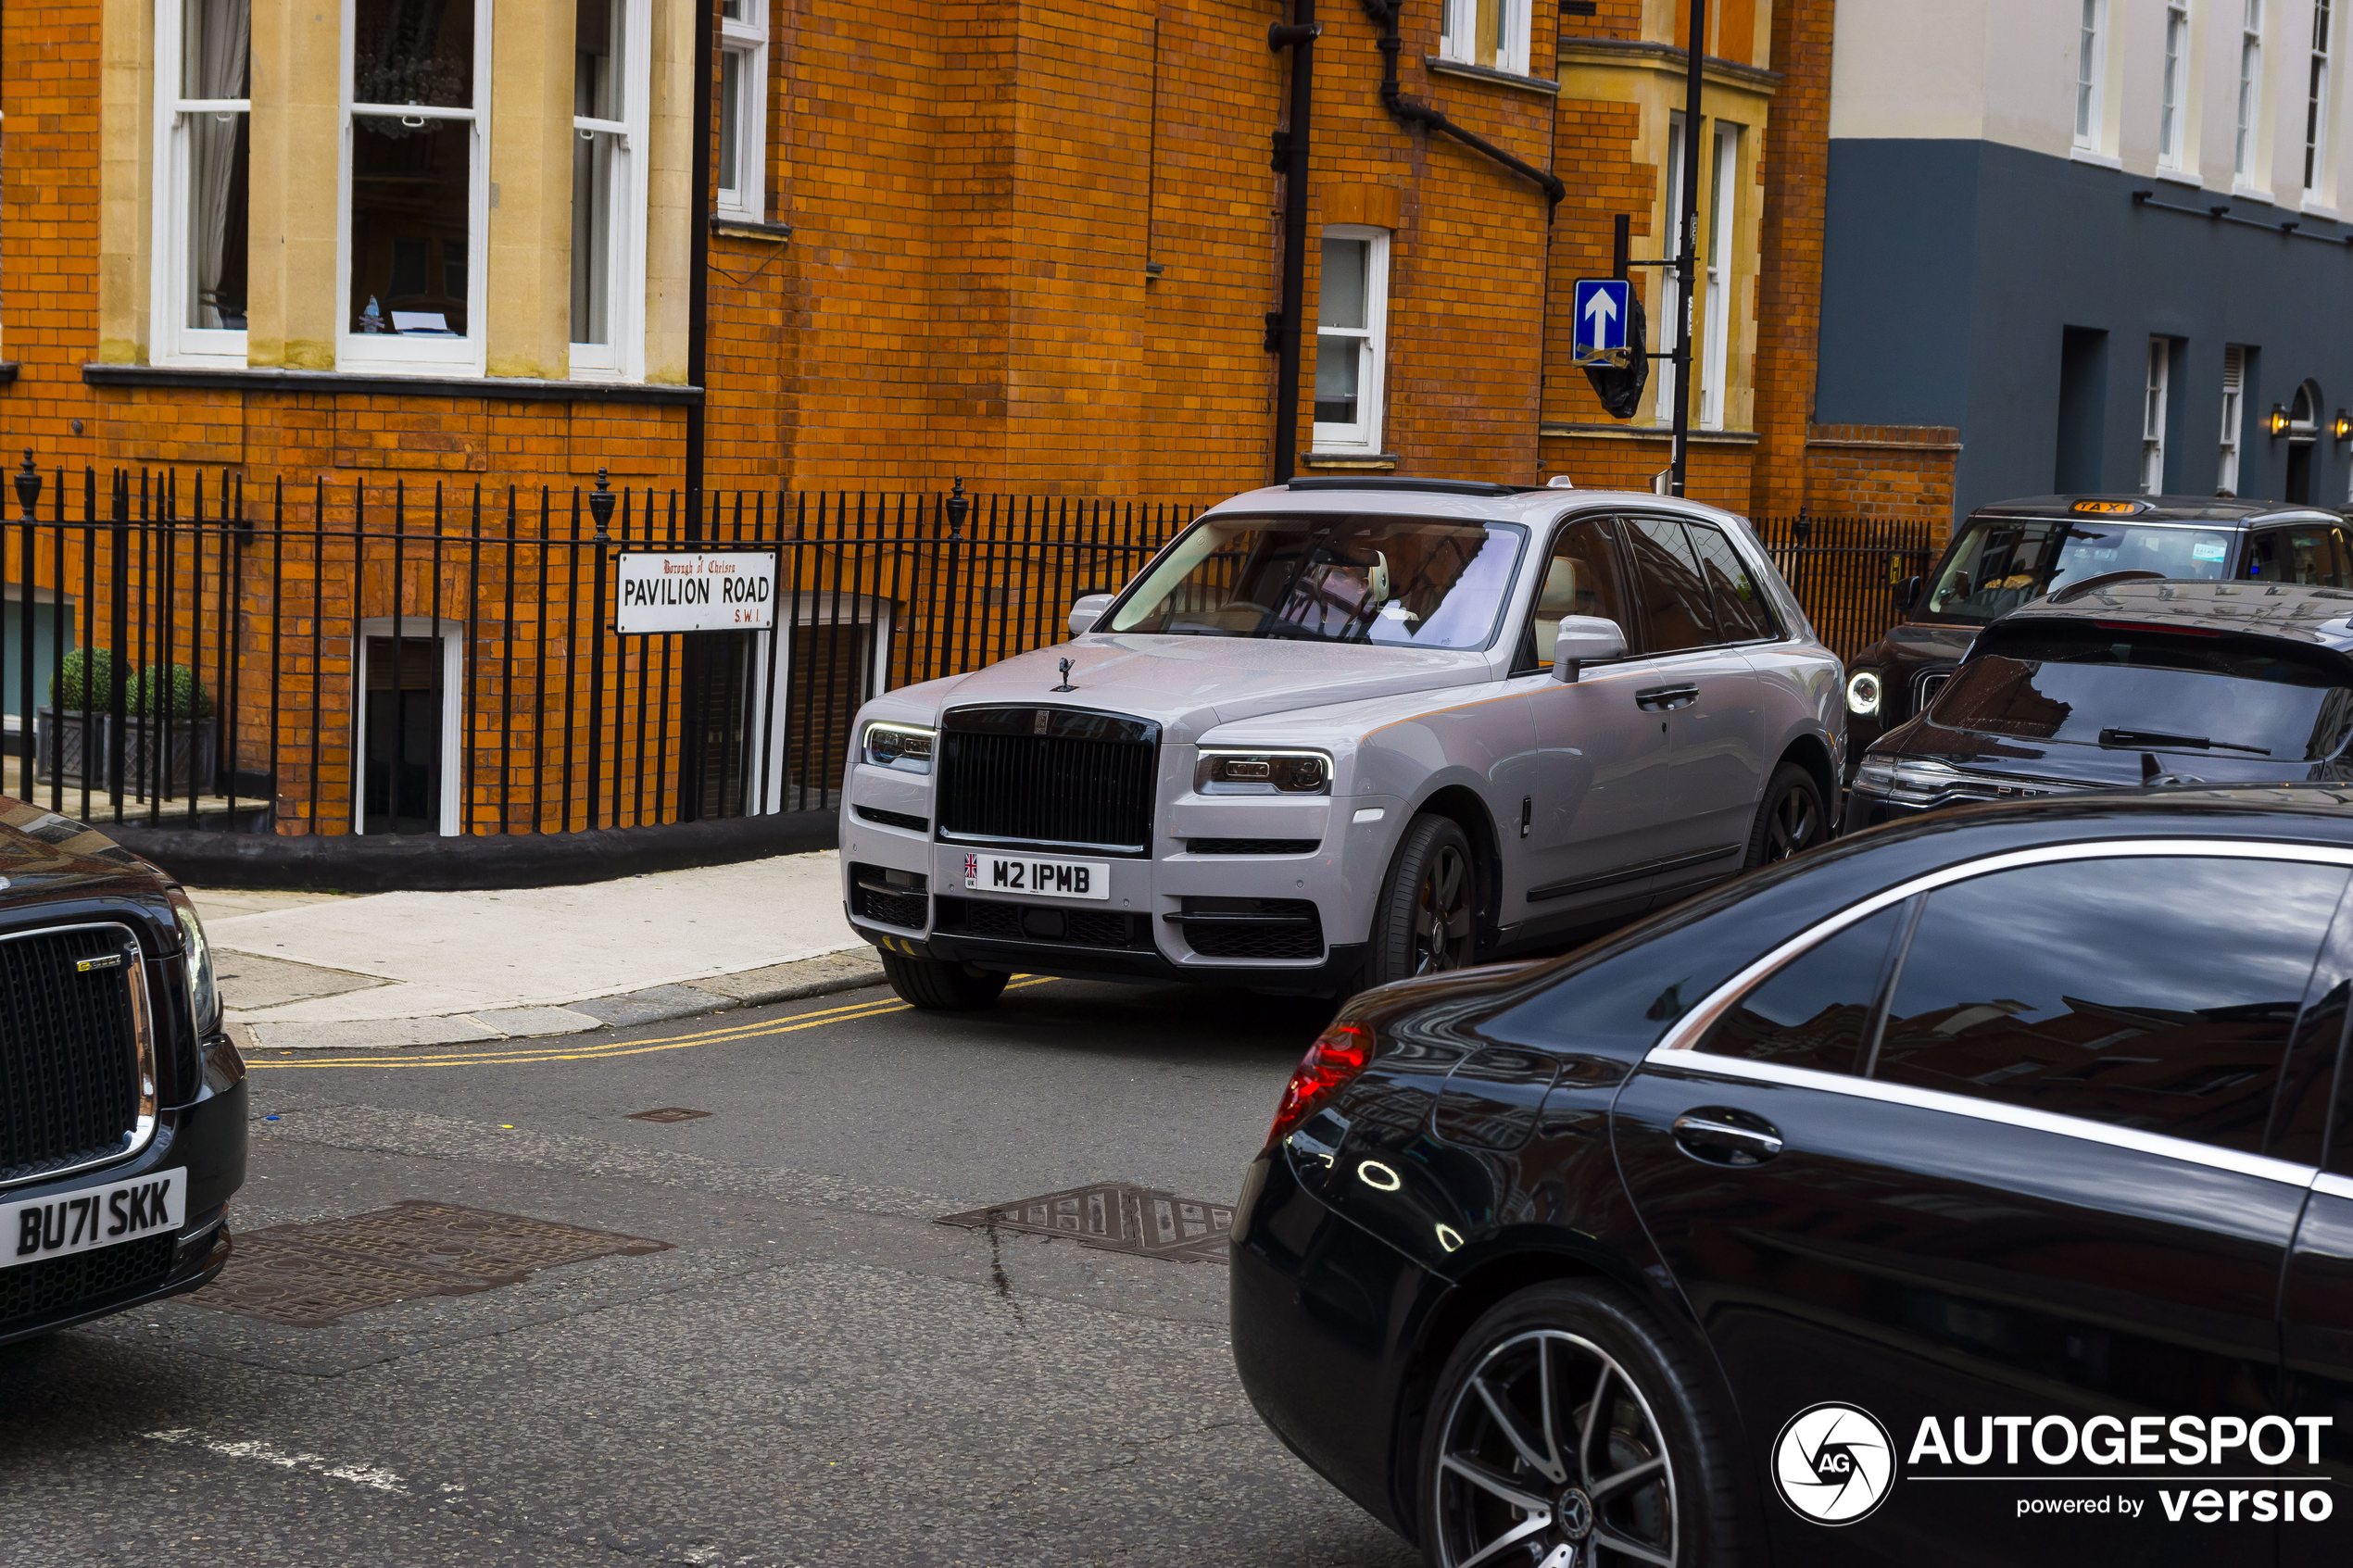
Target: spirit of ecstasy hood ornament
[(1065, 686)]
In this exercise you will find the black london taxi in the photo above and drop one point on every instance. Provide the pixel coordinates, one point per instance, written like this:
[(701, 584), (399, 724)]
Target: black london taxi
[(2129, 680), (122, 1101), (2007, 1145), (2003, 555)]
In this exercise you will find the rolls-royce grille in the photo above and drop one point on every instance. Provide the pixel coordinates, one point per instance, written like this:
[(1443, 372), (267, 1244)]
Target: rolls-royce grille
[(68, 1049), (84, 1279), (1052, 776)]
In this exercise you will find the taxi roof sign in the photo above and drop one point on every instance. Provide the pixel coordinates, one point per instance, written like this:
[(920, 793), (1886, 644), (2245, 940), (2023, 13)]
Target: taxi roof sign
[(2108, 509)]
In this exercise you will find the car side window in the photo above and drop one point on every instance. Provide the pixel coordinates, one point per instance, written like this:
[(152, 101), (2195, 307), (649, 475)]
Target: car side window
[(2312, 553), (1816, 1010), (1676, 613), (2152, 992), (1580, 578), (1741, 614)]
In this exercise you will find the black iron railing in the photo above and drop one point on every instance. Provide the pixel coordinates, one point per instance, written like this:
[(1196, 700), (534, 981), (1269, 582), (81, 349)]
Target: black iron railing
[(364, 659)]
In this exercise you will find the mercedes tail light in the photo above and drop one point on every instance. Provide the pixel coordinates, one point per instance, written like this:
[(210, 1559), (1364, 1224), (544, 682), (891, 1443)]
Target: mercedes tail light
[(1338, 1054)]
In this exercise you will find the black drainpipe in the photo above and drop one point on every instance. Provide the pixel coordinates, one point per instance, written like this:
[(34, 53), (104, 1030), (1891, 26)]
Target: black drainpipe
[(1411, 112), (1283, 327), (699, 289)]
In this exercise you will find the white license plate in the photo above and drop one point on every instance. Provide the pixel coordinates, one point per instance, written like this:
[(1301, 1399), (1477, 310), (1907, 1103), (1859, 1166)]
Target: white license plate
[(51, 1227), (1031, 874)]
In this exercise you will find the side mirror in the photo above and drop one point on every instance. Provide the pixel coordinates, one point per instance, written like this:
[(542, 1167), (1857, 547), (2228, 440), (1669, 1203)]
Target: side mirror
[(1088, 611), (1585, 637), (1907, 594)]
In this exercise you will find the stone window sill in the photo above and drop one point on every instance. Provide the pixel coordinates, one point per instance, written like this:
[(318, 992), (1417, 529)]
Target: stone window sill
[(334, 382), (1489, 74), (750, 228), (1365, 461)]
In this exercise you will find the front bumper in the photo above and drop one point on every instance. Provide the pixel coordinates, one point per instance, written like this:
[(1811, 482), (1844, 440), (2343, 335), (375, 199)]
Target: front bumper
[(208, 1138), (1187, 912)]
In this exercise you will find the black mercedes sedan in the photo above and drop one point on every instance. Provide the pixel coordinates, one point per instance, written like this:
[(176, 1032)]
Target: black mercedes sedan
[(2123, 681), (122, 1103), (2003, 555), (1977, 1189)]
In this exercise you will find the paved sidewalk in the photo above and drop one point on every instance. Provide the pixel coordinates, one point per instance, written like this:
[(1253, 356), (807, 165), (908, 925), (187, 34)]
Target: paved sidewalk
[(308, 970)]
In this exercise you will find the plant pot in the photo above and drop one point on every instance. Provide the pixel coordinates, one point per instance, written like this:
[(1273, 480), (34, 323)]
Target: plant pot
[(70, 743)]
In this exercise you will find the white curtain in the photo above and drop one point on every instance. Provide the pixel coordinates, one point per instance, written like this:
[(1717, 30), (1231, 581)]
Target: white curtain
[(216, 39)]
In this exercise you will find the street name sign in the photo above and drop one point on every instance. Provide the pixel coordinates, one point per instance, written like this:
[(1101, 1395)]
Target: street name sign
[(1601, 321), (694, 591)]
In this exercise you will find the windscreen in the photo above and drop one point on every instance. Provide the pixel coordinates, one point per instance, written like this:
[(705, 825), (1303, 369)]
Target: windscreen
[(1332, 578), (2000, 564), (2153, 691)]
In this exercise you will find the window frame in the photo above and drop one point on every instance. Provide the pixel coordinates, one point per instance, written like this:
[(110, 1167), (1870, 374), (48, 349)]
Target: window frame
[(2156, 394), (1675, 1048), (1524, 660), (2247, 134), (170, 340), (622, 357), (1644, 640), (1364, 434), (2091, 68), (2226, 475), (1717, 266), (2173, 108), (388, 354), (1462, 33), (2319, 85), (745, 39)]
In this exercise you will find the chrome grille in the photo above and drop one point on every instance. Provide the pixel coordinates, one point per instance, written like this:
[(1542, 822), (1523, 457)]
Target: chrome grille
[(1930, 685), (71, 1089), (1054, 776)]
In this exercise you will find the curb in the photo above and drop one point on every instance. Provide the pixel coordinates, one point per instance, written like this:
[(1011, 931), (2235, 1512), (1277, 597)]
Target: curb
[(822, 976)]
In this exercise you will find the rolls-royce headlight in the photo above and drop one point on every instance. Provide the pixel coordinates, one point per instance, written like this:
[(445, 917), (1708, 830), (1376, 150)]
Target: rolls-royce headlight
[(1263, 773), (204, 990), (1862, 693), (904, 748)]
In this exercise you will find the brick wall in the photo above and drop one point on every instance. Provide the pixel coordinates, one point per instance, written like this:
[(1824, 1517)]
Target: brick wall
[(1882, 471)]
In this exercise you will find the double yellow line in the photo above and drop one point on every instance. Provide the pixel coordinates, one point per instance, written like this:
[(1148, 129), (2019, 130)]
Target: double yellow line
[(499, 1056)]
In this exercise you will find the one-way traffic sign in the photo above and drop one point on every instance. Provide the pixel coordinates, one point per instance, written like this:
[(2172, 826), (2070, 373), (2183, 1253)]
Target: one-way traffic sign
[(1601, 309)]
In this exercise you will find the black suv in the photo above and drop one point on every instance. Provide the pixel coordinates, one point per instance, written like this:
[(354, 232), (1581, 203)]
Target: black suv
[(2003, 555), (122, 1103), (2130, 681)]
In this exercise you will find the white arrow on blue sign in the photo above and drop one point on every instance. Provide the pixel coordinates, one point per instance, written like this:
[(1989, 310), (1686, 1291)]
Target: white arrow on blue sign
[(1601, 308)]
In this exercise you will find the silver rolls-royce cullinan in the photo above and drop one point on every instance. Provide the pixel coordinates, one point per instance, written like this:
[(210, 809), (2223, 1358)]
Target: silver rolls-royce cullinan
[(1344, 730)]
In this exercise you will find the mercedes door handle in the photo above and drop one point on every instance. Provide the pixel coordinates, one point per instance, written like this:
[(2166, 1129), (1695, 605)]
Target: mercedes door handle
[(1666, 699), (1725, 1137)]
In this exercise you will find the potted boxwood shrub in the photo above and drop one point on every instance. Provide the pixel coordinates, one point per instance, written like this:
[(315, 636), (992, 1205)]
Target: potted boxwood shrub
[(64, 733), (169, 733)]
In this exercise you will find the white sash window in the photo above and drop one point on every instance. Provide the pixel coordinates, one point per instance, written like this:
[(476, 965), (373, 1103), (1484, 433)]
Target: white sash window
[(203, 158)]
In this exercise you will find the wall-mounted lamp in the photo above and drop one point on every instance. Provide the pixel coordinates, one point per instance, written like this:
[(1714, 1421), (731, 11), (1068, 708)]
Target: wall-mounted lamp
[(2275, 422), (2341, 426)]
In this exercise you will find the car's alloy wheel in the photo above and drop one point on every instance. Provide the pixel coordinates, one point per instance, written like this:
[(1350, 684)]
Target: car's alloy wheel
[(1791, 819), (1549, 1454), (1427, 922)]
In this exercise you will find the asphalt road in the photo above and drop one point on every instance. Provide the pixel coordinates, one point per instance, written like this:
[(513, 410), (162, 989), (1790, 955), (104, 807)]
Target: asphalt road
[(812, 1372)]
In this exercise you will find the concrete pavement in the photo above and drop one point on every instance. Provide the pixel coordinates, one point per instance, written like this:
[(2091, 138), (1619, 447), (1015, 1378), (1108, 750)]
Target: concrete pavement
[(320, 971)]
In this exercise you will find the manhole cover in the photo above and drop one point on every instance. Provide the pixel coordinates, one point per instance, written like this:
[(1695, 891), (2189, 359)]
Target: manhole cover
[(310, 1274), (667, 1113), (1118, 1217)]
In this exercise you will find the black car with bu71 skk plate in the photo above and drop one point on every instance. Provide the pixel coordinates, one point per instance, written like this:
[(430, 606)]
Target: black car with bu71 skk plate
[(2118, 684), (2011, 1117), (122, 1102)]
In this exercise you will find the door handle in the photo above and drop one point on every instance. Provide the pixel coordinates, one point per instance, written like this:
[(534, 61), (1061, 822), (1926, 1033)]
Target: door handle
[(1722, 1136), (1666, 699)]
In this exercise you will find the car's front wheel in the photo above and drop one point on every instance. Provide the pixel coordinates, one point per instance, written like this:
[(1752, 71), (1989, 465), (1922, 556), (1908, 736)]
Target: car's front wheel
[(1427, 920), (1567, 1430), (939, 987)]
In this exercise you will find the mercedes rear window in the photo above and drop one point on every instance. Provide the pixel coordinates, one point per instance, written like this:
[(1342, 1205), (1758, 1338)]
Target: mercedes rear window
[(2144, 689)]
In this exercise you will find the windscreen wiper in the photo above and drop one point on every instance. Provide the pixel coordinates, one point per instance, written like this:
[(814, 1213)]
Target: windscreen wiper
[(2133, 740)]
